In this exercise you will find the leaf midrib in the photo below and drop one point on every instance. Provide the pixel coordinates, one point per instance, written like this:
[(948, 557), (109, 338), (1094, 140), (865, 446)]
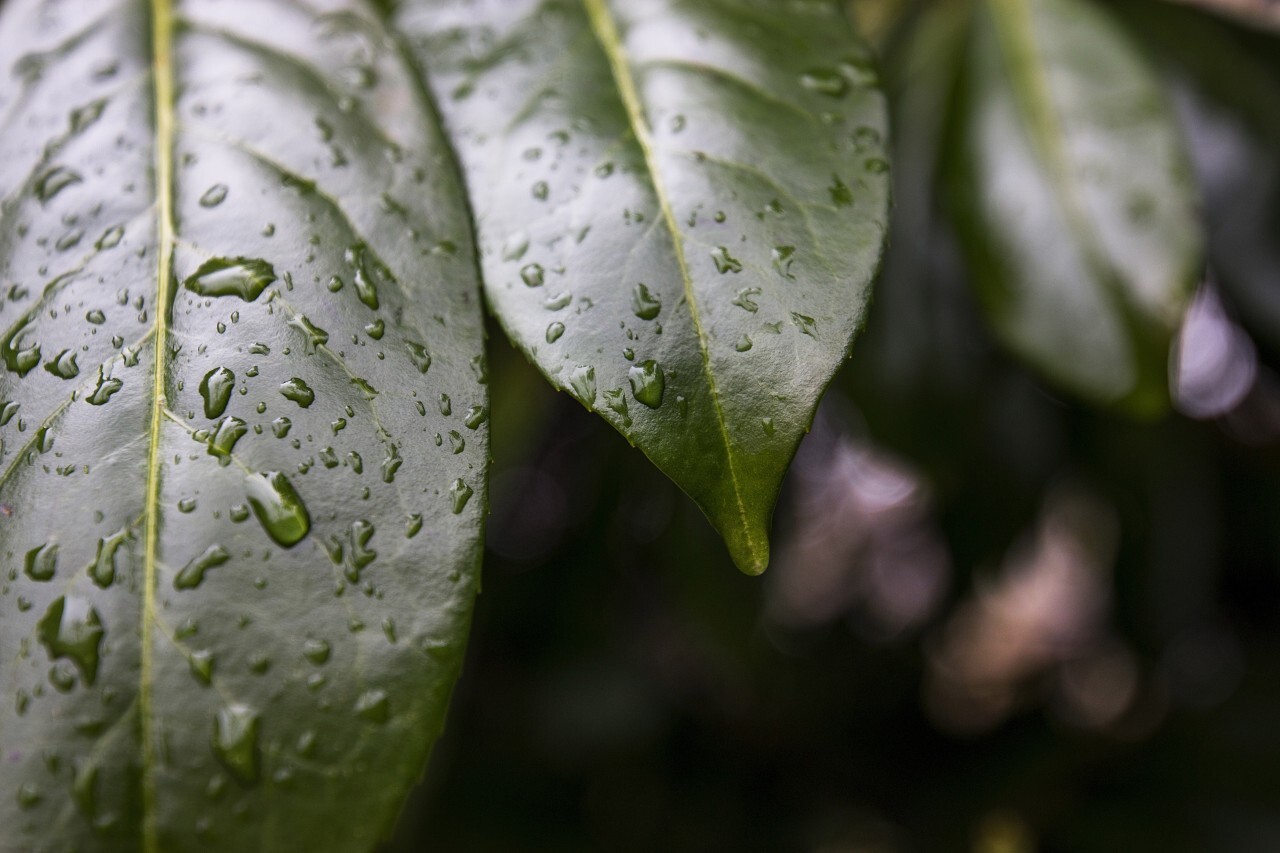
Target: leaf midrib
[(606, 31), (162, 71)]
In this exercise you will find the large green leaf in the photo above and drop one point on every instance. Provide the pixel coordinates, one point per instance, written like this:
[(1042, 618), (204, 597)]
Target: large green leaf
[(243, 412), (1075, 199), (680, 207)]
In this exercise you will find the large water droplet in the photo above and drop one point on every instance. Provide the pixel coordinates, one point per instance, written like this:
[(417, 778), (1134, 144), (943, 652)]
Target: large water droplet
[(103, 567), (533, 275), (724, 261), (374, 706), (644, 304), (419, 356), (216, 388), (235, 741), (42, 562), (647, 383), (104, 390), (55, 181), (192, 573), (224, 438), (73, 630), (316, 651), (461, 493), (18, 358), (243, 277), (278, 508), (554, 331), (366, 288), (299, 392)]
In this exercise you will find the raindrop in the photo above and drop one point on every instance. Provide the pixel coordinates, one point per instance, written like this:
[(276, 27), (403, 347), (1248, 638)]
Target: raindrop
[(376, 329), (110, 238), (841, 195), (475, 416), (532, 275), (515, 247), (461, 493), (316, 651), (582, 381), (299, 392), (316, 336), (391, 464), (278, 508), (541, 190), (103, 567), (224, 438), (192, 573), (42, 562), (235, 741), (647, 383), (419, 356), (243, 277), (616, 400), (876, 165), (644, 304), (214, 196), (446, 405), (554, 331), (374, 706), (743, 344), (201, 663), (73, 630), (216, 388), (64, 365), (782, 258), (558, 301), (824, 81), (724, 261), (806, 324), (55, 181), (17, 358), (366, 289)]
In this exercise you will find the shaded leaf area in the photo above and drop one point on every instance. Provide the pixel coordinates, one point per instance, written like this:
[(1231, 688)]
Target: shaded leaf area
[(243, 426), (838, 703), (1074, 198), (680, 208)]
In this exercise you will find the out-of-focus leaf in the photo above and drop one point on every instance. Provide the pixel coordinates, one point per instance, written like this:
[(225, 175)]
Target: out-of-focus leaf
[(241, 418), (1264, 13), (1074, 199), (680, 207)]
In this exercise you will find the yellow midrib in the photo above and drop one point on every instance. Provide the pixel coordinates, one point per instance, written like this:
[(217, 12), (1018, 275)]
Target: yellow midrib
[(162, 48), (606, 31)]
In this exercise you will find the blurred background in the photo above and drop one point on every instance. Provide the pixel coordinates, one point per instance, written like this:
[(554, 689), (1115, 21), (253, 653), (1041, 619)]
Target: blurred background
[(997, 620)]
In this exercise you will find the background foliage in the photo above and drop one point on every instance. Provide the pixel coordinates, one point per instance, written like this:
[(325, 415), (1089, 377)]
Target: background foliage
[(626, 690)]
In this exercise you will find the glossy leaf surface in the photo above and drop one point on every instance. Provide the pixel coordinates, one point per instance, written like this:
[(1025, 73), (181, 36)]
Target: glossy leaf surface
[(1075, 199), (680, 208), (243, 426)]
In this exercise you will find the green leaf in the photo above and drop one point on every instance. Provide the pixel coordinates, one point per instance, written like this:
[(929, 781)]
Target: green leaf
[(680, 208), (1074, 199), (241, 540)]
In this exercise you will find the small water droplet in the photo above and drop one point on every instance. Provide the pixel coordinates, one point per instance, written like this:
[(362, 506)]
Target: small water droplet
[(461, 493), (515, 247), (54, 181), (419, 356), (366, 289), (876, 165), (214, 196), (825, 82), (807, 325), (103, 567), (374, 706), (280, 427), (243, 277), (446, 405), (216, 388), (841, 195), (767, 424), (235, 741), (391, 464), (541, 190), (201, 663), (192, 573), (278, 507), (647, 383), (554, 331), (724, 261), (414, 526), (532, 275), (644, 304), (743, 344), (316, 651), (110, 238), (558, 301), (582, 381)]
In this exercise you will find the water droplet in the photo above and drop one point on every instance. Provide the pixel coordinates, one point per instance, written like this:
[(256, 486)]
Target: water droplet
[(558, 301), (316, 651), (644, 304), (103, 567), (187, 505), (376, 329), (192, 573), (616, 400), (73, 630), (84, 780), (201, 664), (825, 82), (724, 261), (374, 706), (647, 383), (366, 389), (243, 277), (554, 331), (216, 388), (806, 325), (475, 416), (42, 562), (841, 195), (110, 238), (391, 464), (83, 117), (280, 427), (19, 359), (461, 493), (96, 317), (55, 181), (414, 526), (278, 508), (419, 356), (235, 741), (29, 795), (224, 438), (743, 344), (532, 275), (366, 288), (582, 381), (446, 405), (541, 190), (456, 441), (316, 336), (299, 392), (515, 247), (64, 365), (214, 196), (876, 165), (782, 258)]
